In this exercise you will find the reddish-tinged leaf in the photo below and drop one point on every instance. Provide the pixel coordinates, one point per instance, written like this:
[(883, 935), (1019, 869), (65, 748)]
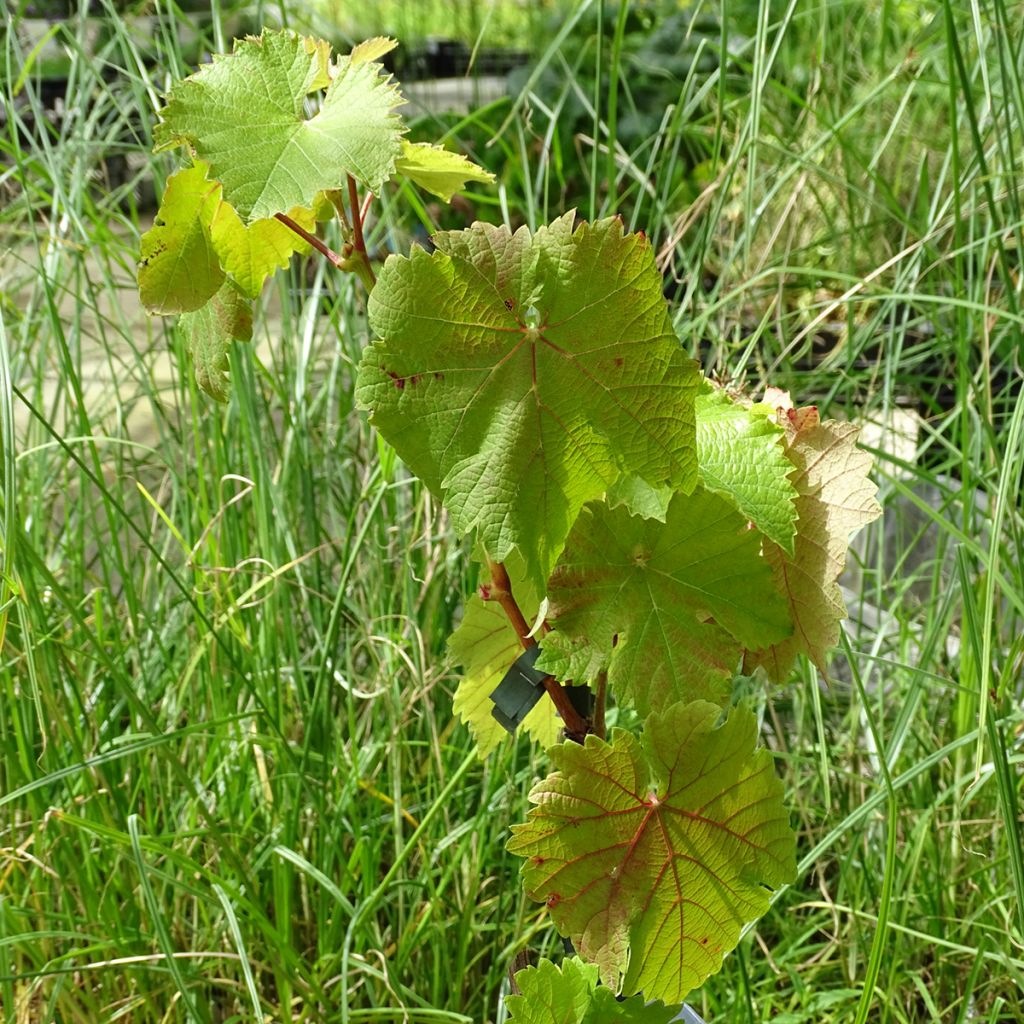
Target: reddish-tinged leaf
[(653, 853), (835, 498)]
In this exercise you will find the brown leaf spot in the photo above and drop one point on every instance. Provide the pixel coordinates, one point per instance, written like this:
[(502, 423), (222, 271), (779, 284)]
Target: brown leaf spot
[(553, 900), (399, 381)]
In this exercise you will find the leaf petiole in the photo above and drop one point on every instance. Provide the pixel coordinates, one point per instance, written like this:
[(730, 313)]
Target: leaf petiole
[(318, 244), (359, 243)]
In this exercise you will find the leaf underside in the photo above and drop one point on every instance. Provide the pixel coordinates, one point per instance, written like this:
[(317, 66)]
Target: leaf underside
[(518, 375), (210, 332), (835, 499), (667, 608), (652, 853)]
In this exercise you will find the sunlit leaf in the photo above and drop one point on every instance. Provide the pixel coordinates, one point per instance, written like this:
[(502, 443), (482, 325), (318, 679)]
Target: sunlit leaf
[(741, 457), (486, 646), (179, 268), (245, 115), (438, 170), (571, 994), (371, 50), (518, 375)]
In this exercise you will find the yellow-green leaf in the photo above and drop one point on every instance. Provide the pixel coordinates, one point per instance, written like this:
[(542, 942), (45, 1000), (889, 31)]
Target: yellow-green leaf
[(571, 994), (179, 268), (486, 646), (251, 253), (438, 170), (371, 50)]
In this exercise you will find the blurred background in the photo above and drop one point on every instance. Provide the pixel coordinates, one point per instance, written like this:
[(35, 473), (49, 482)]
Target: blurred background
[(226, 703)]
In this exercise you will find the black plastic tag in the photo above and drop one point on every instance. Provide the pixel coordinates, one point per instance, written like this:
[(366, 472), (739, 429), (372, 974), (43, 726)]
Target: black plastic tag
[(518, 693)]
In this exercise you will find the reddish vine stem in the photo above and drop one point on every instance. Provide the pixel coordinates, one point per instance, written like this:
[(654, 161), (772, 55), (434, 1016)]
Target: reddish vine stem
[(576, 727), (600, 703), (358, 215), (316, 243)]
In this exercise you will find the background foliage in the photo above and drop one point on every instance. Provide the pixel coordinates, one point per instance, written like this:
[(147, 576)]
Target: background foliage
[(230, 781)]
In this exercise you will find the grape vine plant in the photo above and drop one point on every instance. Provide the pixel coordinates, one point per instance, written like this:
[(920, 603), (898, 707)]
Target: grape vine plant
[(645, 537)]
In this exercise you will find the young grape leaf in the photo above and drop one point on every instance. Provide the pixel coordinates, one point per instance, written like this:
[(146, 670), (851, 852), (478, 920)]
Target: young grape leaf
[(835, 498), (198, 237), (244, 115), (371, 50), (210, 331), (640, 498), (250, 253), (486, 646), (741, 457), (179, 268), (652, 853), (437, 170), (667, 607), (519, 375), (571, 994)]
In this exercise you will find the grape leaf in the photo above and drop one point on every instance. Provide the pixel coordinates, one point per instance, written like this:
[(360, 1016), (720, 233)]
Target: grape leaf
[(210, 331), (640, 498), (486, 646), (667, 607), (741, 457), (371, 50), (244, 115), (179, 268), (437, 170), (518, 375), (570, 994), (251, 253), (835, 498), (198, 237), (652, 853)]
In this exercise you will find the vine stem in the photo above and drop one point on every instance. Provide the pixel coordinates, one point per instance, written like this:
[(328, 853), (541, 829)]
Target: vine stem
[(600, 704), (576, 727), (358, 241)]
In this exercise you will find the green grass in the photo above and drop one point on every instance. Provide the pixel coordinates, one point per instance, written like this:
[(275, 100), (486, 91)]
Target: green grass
[(229, 778)]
